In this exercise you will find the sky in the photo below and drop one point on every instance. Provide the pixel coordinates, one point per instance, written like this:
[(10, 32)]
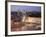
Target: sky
[(26, 8)]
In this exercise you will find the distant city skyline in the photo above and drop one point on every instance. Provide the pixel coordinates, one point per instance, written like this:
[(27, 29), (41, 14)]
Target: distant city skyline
[(26, 8)]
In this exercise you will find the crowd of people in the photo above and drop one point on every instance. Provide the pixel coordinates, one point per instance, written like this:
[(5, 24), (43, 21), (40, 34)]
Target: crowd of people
[(28, 23)]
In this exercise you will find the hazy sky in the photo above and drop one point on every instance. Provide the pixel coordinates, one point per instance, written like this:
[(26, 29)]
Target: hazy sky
[(27, 8)]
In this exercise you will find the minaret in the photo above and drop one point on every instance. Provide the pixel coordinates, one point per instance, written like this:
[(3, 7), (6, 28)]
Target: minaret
[(24, 15)]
